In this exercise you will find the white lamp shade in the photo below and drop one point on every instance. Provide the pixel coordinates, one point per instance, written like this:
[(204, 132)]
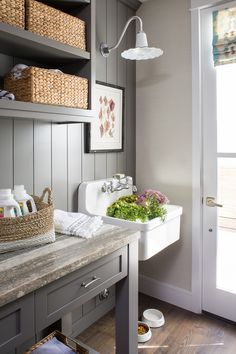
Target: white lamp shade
[(142, 53), (141, 50)]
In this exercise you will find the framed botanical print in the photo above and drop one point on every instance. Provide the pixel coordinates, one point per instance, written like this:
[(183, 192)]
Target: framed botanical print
[(106, 132)]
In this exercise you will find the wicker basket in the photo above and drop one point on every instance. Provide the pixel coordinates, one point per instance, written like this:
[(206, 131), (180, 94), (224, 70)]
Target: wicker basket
[(55, 24), (29, 230), (13, 12), (76, 347), (39, 85)]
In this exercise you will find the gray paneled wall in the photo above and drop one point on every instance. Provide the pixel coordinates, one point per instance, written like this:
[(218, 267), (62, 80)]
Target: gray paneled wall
[(39, 154)]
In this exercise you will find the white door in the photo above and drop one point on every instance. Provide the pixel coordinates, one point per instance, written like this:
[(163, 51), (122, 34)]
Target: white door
[(219, 178)]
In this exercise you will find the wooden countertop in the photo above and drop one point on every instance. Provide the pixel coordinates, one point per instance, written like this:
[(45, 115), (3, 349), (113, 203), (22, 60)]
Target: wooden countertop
[(24, 271)]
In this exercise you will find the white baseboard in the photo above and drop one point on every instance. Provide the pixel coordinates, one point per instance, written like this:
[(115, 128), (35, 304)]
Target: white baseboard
[(166, 292)]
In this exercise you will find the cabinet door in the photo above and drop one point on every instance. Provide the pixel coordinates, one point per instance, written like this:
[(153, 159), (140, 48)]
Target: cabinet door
[(16, 323)]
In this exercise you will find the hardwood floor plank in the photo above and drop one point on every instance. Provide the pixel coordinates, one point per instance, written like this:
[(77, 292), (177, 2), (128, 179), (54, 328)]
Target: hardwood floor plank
[(183, 332)]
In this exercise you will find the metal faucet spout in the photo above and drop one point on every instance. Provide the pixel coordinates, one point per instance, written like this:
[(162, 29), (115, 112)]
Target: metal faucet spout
[(119, 183)]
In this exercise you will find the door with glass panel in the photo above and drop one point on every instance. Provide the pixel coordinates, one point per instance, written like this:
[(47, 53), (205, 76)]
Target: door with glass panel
[(218, 36)]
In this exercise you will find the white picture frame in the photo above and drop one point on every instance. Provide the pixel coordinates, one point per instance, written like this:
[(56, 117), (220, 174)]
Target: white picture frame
[(106, 132)]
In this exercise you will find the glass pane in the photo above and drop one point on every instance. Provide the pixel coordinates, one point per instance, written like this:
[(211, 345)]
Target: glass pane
[(226, 238), (226, 117)]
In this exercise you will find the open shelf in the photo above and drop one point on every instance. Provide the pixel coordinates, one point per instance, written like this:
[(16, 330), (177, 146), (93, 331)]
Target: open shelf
[(46, 52), (58, 114), (14, 40)]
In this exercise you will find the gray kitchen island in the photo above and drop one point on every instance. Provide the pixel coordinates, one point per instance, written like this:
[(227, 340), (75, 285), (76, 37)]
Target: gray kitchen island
[(39, 286)]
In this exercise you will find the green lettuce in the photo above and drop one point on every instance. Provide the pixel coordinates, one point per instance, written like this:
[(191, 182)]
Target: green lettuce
[(134, 208)]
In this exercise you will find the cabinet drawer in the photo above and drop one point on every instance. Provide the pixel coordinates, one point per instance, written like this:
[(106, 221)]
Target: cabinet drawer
[(16, 323), (67, 293)]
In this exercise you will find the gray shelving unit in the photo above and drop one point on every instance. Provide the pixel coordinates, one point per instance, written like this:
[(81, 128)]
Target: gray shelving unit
[(15, 40), (21, 43), (59, 114)]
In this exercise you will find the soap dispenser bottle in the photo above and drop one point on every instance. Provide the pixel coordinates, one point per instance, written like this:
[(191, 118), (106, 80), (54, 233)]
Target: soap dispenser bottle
[(25, 201), (9, 208)]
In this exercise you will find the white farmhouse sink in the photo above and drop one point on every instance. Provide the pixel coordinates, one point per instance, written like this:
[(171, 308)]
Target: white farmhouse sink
[(155, 235)]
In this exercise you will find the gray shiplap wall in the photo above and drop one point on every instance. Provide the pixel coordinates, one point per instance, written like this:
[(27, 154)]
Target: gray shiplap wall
[(39, 154)]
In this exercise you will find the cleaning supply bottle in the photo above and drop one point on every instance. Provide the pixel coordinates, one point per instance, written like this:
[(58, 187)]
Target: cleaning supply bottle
[(8, 206), (25, 201)]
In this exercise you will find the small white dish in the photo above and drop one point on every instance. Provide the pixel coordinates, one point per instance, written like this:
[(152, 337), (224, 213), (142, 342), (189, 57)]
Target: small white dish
[(153, 317), (142, 338)]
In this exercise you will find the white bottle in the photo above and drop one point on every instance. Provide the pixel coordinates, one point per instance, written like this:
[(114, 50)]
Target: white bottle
[(25, 201), (8, 206)]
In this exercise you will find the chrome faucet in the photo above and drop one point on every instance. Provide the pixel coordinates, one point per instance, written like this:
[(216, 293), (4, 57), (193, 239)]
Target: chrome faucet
[(119, 182), (122, 182), (107, 187)]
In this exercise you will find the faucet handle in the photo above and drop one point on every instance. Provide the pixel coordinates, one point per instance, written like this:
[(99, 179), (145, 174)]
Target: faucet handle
[(134, 189), (104, 187), (107, 187)]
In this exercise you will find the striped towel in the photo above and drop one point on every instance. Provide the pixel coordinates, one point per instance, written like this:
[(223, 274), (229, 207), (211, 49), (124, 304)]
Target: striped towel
[(5, 95), (76, 224)]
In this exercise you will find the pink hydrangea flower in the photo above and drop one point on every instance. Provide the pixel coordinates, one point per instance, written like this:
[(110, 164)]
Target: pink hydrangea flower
[(160, 197), (151, 193)]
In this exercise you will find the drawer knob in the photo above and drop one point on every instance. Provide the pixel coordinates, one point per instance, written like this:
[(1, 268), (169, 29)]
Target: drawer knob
[(104, 294), (85, 285)]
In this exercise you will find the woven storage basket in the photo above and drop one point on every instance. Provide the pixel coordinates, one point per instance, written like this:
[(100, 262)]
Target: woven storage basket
[(55, 24), (49, 87), (13, 12), (76, 347), (30, 230)]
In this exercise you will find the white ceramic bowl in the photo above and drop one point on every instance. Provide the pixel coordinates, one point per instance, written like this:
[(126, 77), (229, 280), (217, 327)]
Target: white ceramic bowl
[(153, 317), (146, 336)]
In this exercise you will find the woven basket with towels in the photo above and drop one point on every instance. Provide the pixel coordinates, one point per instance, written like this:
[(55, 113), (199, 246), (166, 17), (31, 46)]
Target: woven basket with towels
[(30, 230), (38, 85)]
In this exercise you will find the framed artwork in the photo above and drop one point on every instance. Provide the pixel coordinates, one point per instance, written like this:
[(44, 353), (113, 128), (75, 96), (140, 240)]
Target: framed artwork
[(106, 132)]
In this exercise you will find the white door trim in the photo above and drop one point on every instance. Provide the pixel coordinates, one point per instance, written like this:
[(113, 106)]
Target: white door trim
[(197, 220), (196, 164)]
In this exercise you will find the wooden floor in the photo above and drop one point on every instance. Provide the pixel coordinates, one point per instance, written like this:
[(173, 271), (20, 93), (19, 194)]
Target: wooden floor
[(183, 333)]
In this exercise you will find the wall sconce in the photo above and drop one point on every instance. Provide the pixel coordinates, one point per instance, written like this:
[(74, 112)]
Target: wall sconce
[(141, 50)]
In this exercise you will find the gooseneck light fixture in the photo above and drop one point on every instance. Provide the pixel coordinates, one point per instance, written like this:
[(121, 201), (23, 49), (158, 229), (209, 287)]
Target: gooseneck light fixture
[(141, 51)]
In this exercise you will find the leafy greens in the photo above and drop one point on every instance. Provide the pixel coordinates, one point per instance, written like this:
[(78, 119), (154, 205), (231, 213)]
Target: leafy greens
[(144, 207)]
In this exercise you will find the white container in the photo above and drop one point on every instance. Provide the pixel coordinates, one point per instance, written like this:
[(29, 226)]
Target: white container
[(142, 338), (9, 208), (155, 235), (153, 317), (25, 201)]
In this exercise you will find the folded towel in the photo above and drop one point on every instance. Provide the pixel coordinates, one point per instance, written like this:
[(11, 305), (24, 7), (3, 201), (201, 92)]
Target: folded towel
[(57, 71), (53, 346), (76, 224), (5, 95), (17, 70)]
